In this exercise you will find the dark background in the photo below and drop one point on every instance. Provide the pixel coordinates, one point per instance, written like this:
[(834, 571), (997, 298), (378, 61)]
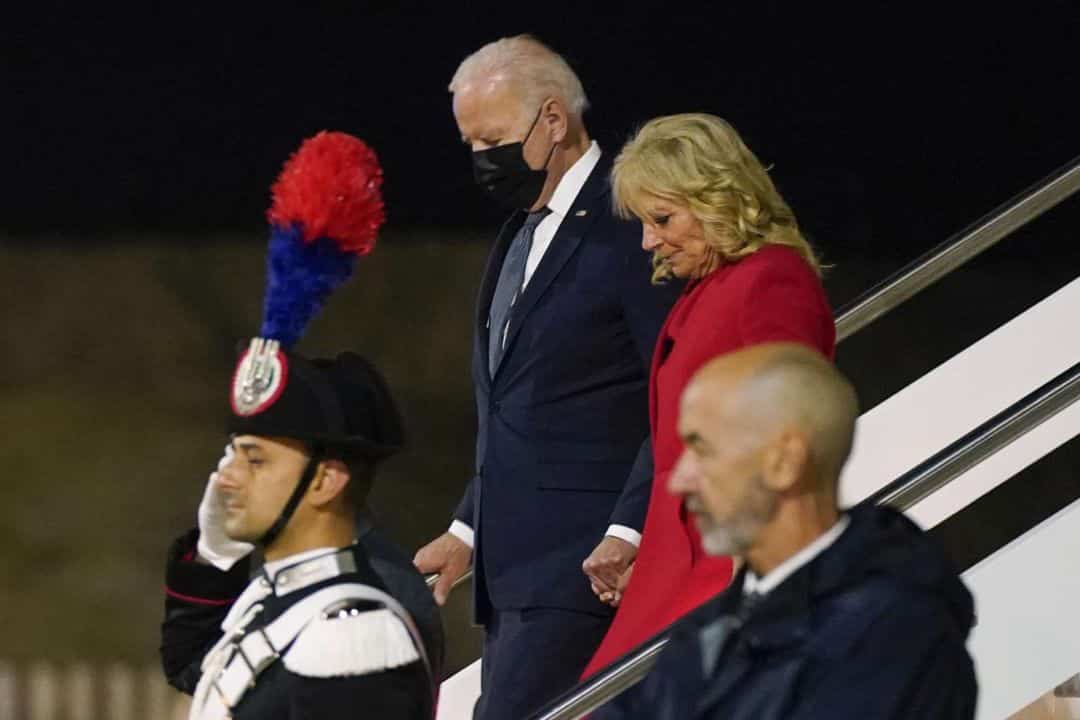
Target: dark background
[(141, 142), (888, 125)]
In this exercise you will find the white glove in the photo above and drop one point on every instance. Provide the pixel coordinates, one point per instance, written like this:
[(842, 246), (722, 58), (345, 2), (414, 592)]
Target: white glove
[(214, 545)]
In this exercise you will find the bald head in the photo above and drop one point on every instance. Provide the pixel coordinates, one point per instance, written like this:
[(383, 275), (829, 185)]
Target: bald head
[(766, 431), (768, 390)]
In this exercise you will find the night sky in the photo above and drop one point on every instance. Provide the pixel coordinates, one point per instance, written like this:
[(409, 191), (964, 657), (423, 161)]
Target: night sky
[(886, 124)]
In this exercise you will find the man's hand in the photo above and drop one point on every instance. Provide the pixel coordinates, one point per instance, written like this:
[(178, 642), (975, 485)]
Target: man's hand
[(448, 556), (214, 546), (607, 568), (613, 598)]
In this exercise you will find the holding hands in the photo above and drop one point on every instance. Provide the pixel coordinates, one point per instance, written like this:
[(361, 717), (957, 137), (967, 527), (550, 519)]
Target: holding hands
[(609, 567)]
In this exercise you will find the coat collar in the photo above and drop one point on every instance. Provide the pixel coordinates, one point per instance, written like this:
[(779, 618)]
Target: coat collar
[(289, 576), (731, 641), (784, 617)]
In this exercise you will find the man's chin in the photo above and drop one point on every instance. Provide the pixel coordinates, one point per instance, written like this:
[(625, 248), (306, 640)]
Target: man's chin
[(715, 547), (716, 541), (238, 533)]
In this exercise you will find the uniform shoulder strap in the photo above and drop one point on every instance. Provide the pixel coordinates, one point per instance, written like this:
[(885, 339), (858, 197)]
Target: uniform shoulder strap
[(357, 629)]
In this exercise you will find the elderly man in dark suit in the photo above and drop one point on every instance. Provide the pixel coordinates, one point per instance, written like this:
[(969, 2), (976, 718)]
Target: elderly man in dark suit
[(835, 614), (565, 327)]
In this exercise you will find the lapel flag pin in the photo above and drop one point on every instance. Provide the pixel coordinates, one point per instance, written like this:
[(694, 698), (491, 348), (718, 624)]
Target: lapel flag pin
[(581, 213)]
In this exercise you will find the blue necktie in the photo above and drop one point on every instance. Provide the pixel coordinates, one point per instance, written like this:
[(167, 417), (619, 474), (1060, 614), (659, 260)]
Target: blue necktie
[(508, 288)]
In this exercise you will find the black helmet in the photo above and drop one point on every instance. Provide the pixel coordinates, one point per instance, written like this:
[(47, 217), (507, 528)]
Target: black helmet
[(338, 405), (341, 408)]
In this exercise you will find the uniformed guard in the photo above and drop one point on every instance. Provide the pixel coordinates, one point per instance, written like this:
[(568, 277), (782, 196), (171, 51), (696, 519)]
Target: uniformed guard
[(315, 633)]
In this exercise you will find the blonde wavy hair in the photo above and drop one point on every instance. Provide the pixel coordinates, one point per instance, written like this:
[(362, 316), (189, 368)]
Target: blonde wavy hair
[(700, 162)]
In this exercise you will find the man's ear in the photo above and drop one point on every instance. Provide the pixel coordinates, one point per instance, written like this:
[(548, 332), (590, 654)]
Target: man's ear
[(330, 482), (555, 115), (786, 459)]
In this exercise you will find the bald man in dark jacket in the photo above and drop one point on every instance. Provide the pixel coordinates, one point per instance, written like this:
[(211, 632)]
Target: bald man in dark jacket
[(874, 627), (834, 615)]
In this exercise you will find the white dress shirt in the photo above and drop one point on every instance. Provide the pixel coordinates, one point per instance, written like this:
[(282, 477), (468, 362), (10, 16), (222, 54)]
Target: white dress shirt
[(780, 573), (562, 199)]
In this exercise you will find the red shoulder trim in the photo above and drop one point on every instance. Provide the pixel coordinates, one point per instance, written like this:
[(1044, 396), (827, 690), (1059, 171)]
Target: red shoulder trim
[(198, 600)]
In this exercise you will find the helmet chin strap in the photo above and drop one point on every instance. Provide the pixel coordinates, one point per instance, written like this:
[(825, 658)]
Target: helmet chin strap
[(294, 500)]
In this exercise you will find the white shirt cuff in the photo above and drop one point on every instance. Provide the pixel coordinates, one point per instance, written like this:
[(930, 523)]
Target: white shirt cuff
[(622, 532), (464, 533)]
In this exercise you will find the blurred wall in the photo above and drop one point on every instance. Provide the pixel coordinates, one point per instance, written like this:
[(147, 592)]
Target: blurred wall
[(119, 350)]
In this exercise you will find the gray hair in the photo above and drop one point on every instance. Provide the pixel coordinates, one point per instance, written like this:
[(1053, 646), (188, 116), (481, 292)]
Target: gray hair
[(532, 68)]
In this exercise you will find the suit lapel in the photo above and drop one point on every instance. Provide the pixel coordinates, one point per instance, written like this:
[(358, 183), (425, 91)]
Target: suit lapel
[(491, 279), (590, 202)]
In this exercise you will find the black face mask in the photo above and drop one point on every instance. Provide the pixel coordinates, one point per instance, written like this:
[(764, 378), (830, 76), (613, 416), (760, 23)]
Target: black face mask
[(504, 174)]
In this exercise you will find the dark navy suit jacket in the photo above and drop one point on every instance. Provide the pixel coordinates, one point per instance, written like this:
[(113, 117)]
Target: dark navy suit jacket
[(562, 447)]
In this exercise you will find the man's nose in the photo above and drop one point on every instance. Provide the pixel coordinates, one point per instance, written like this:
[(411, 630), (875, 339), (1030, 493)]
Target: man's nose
[(683, 478), (649, 239), (229, 473)]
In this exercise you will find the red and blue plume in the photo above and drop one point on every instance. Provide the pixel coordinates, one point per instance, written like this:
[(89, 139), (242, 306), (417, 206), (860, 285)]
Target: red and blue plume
[(326, 211)]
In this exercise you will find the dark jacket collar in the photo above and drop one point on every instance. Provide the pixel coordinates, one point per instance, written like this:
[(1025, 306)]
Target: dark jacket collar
[(880, 542)]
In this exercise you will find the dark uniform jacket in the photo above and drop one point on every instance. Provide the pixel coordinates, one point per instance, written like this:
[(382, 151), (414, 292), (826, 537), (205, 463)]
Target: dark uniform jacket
[(874, 627), (406, 585), (356, 658)]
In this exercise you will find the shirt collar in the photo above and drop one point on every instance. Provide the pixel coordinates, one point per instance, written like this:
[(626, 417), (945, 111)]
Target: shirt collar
[(274, 566), (307, 568), (571, 183), (754, 584), (286, 575)]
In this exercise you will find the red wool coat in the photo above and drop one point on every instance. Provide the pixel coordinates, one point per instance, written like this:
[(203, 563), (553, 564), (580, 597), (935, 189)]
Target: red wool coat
[(772, 295)]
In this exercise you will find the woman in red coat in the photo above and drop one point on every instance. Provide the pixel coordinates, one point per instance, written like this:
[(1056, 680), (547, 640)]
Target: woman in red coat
[(713, 217)]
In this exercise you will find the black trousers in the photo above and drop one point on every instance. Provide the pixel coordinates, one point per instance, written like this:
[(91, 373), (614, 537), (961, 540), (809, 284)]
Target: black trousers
[(531, 656)]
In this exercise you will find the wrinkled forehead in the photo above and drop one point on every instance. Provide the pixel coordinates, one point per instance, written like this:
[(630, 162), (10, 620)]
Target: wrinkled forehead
[(697, 411), (712, 407)]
